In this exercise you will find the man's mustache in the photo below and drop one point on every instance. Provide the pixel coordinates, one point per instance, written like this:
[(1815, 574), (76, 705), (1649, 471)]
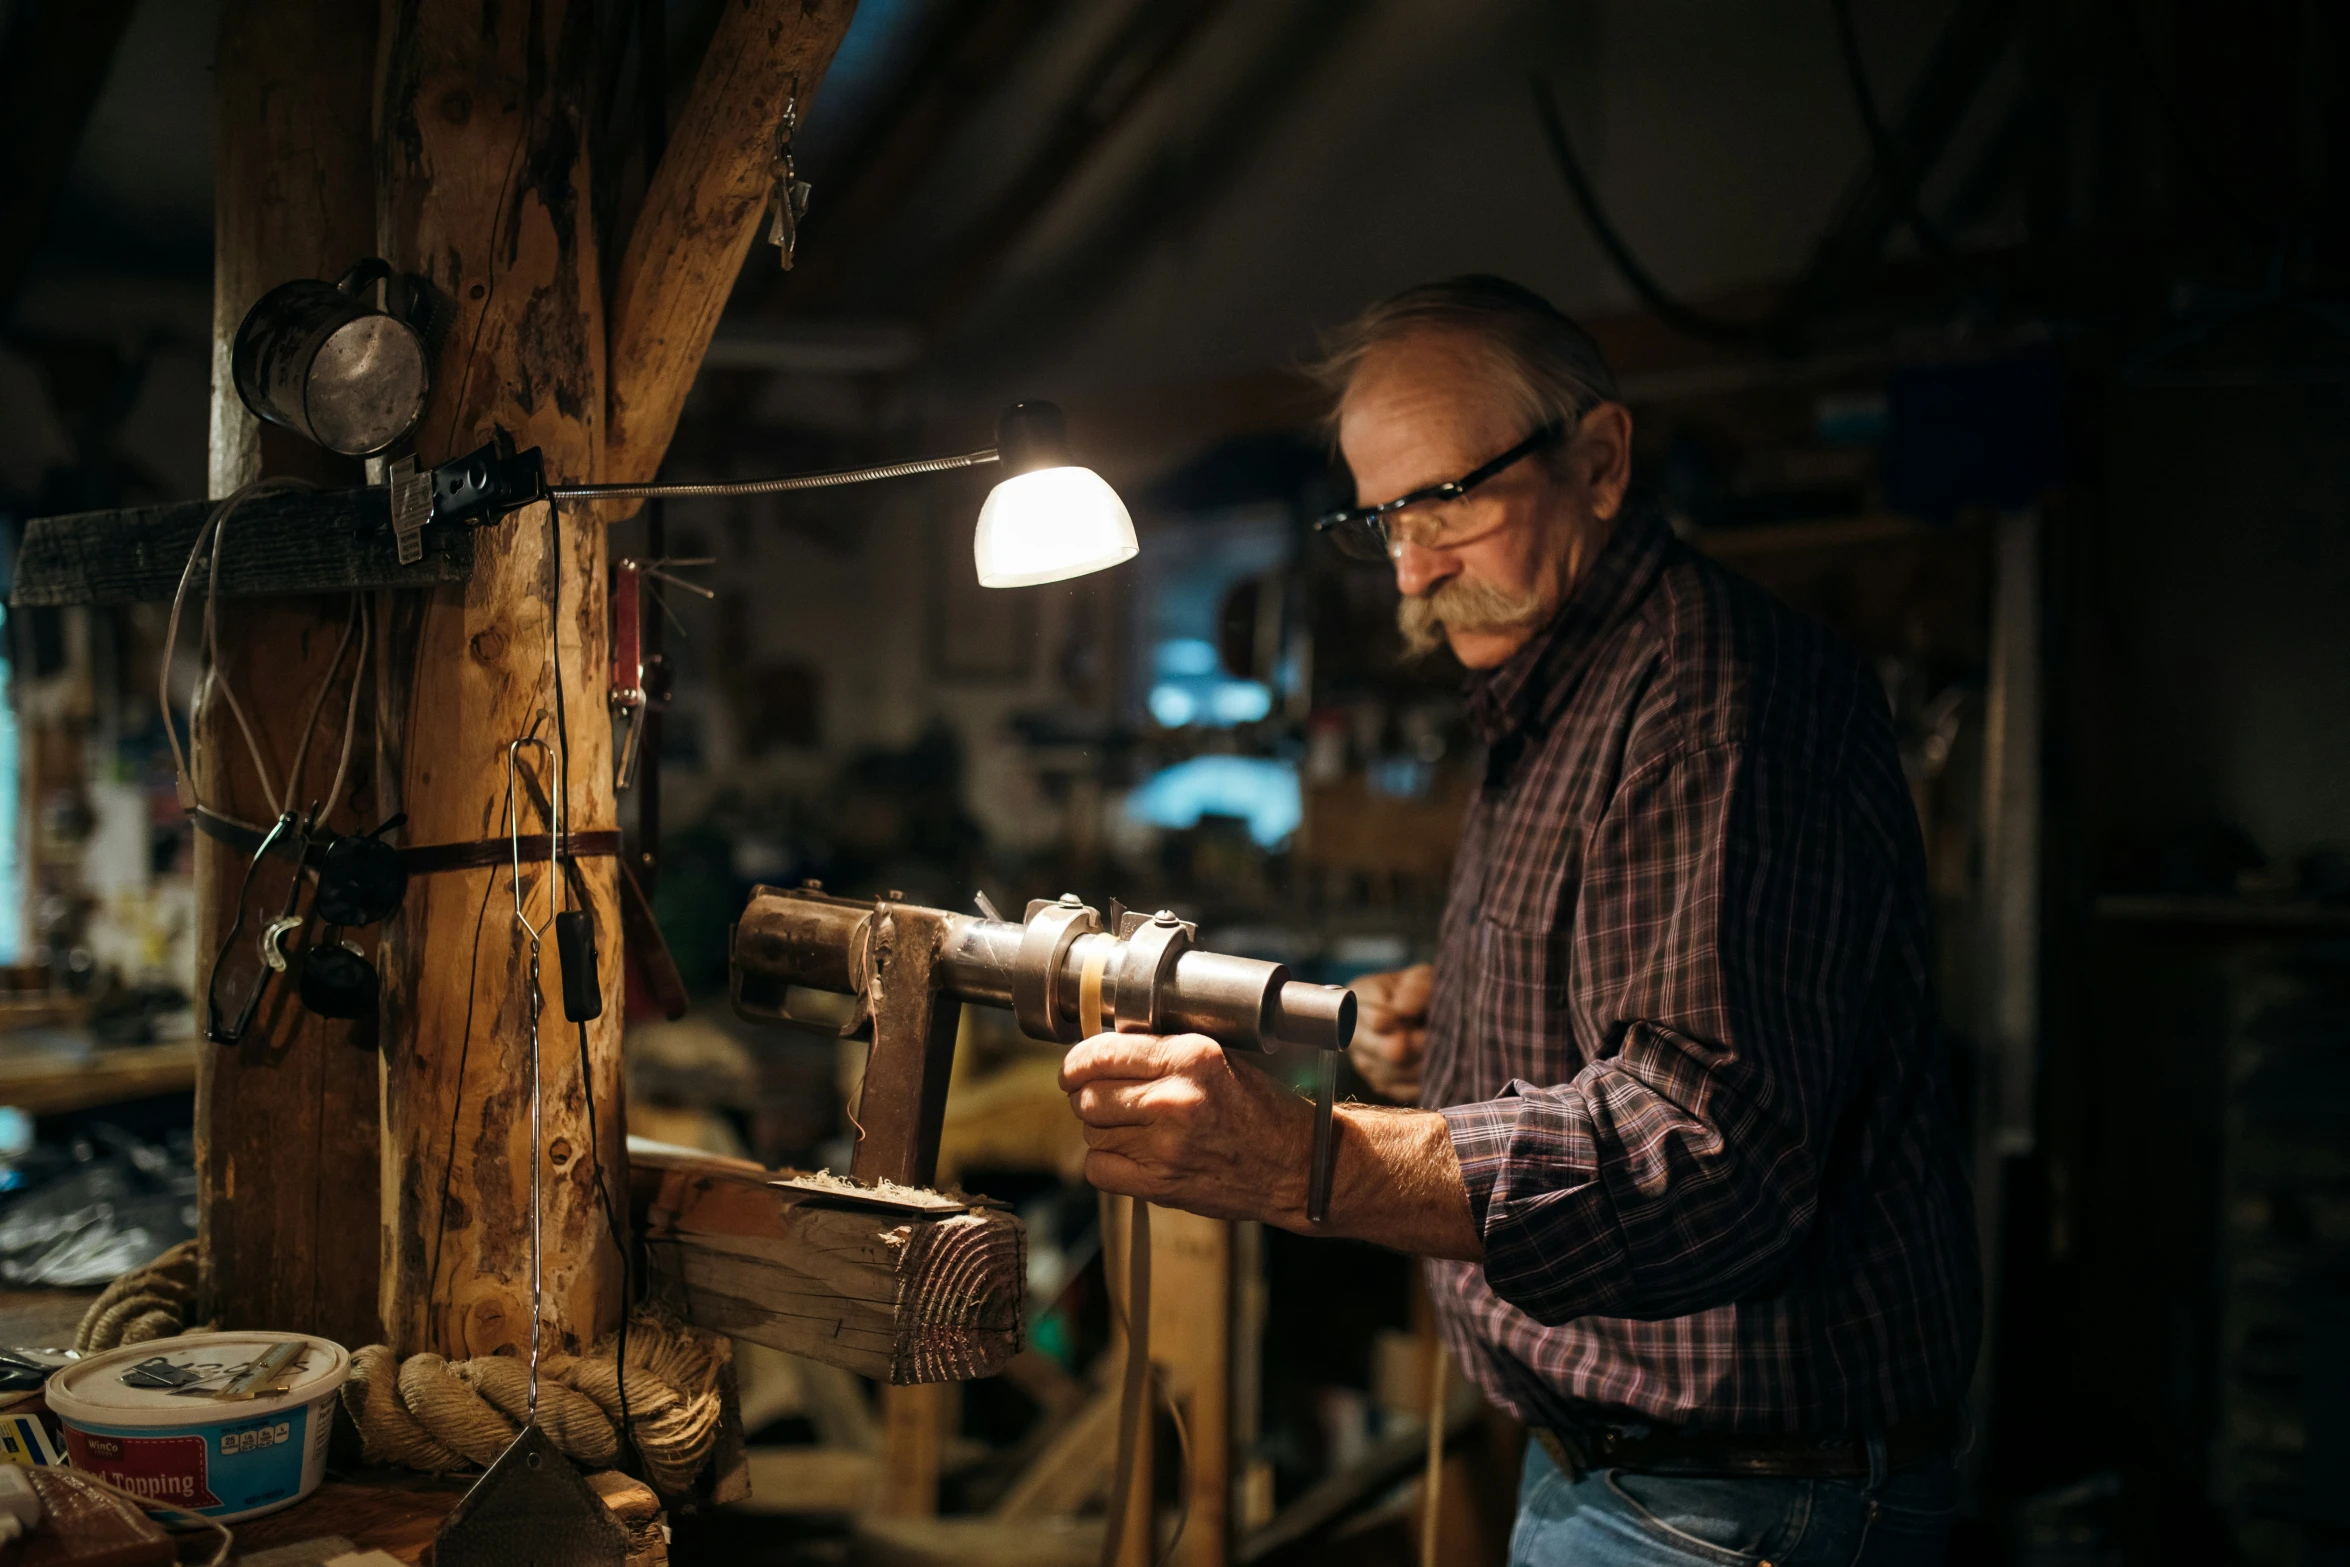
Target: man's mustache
[(1466, 604)]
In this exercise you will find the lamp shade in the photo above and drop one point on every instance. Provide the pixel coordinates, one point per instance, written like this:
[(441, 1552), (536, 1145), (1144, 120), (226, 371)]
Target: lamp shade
[(1048, 524)]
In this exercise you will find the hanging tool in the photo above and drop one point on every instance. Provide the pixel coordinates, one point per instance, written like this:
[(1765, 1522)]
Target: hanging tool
[(790, 197), (1064, 975), (640, 676), (531, 1507)]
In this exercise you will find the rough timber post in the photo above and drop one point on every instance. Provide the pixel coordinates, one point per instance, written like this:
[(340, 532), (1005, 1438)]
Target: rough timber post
[(286, 1125), (483, 189)]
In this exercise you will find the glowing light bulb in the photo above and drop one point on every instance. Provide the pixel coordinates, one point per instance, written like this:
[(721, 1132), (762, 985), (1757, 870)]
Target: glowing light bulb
[(1050, 524)]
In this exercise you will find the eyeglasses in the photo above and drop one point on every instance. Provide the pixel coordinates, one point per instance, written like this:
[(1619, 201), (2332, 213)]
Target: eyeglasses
[(241, 968), (1380, 532), (361, 881)]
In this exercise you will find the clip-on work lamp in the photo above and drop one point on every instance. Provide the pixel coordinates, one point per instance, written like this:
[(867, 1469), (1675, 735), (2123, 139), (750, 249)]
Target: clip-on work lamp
[(1048, 519)]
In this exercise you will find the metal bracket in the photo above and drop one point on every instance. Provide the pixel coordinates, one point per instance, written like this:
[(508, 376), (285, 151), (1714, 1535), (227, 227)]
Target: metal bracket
[(1152, 946), (629, 698), (1036, 976), (902, 1105), (411, 507)]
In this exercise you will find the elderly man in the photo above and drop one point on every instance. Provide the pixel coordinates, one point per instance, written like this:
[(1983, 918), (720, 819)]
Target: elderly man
[(1689, 1180)]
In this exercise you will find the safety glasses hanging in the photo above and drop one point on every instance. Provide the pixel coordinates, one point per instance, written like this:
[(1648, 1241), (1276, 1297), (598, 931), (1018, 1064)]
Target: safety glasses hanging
[(361, 881)]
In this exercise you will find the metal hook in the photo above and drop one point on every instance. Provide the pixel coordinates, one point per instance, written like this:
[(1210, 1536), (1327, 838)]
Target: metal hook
[(514, 832), (538, 1145)]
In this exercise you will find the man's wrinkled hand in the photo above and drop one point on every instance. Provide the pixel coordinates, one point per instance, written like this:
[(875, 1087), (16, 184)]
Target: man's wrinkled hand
[(1177, 1121), (1391, 1031)]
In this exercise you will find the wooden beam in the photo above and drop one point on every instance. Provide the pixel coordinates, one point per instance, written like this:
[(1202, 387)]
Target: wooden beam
[(286, 1119), (973, 49), (1192, 1281), (1970, 44), (1072, 1470), (483, 188), (275, 545), (1117, 79), (702, 211), (900, 1292), (53, 63), (914, 1431)]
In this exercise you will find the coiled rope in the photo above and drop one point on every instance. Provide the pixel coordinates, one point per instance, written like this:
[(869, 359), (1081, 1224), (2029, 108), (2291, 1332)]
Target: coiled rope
[(439, 1415), (148, 1302)]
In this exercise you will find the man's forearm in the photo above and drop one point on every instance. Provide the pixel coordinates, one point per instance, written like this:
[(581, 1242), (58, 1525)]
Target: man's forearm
[(1398, 1182)]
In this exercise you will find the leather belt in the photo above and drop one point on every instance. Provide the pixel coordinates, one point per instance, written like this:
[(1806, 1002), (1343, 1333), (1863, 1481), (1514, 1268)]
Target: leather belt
[(425, 859), (1655, 1449)]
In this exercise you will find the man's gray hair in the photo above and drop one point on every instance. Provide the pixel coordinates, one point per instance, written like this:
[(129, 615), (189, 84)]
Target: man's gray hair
[(1543, 363)]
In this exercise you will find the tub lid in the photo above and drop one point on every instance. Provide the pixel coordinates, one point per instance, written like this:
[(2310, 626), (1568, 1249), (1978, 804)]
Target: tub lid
[(168, 1381)]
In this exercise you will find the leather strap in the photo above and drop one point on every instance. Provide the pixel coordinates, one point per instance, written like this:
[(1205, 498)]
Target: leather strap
[(424, 859), (432, 858)]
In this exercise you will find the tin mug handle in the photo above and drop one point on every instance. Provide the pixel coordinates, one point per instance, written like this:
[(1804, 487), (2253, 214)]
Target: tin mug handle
[(365, 272), (406, 297)]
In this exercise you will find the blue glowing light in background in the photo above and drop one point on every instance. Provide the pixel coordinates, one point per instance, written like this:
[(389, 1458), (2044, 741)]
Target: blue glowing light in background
[(1192, 688), (1259, 790)]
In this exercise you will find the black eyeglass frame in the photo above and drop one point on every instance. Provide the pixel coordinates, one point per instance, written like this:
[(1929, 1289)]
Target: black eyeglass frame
[(228, 1031), (1373, 519)]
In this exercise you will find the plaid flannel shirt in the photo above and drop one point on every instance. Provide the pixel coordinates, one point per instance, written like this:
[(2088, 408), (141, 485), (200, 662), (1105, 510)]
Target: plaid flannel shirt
[(1683, 1031)]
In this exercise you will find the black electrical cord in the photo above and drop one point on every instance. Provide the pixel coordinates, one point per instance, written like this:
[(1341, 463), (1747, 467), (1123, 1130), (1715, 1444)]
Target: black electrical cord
[(1892, 167), (619, 1244), (1652, 293), (587, 1081), (440, 1226)]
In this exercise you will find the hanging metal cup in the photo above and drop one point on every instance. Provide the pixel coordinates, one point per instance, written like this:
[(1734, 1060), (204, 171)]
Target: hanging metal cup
[(324, 361)]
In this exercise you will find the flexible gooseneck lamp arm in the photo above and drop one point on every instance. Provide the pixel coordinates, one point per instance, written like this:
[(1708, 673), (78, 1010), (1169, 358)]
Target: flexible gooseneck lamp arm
[(1048, 519)]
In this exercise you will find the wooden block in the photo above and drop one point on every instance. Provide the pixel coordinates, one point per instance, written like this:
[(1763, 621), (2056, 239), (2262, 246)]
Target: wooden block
[(639, 1511), (924, 1289)]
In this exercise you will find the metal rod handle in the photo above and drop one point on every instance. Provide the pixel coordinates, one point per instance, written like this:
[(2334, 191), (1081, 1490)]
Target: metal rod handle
[(804, 481)]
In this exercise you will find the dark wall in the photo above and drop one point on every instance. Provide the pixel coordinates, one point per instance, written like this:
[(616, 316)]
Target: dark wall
[(2226, 612)]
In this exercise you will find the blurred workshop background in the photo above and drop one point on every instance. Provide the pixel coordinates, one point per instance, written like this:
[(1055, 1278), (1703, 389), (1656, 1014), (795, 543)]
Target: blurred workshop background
[(2010, 340)]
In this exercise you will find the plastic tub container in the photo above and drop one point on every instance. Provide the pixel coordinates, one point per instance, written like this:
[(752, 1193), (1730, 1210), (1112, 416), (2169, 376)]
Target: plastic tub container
[(225, 1459)]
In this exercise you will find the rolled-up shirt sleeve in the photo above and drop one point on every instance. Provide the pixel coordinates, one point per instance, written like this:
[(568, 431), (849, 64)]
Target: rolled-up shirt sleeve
[(1721, 949)]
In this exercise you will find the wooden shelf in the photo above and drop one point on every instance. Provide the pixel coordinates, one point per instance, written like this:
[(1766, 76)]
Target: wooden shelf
[(54, 1084)]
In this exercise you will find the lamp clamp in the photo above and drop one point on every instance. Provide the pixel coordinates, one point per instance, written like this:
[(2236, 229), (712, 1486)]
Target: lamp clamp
[(485, 484)]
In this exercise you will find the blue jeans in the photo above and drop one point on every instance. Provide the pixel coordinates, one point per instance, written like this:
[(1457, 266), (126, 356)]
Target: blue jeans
[(1620, 1518)]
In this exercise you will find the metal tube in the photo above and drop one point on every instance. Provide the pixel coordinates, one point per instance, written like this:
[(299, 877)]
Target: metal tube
[(802, 481), (808, 939), (979, 959)]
